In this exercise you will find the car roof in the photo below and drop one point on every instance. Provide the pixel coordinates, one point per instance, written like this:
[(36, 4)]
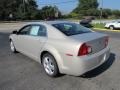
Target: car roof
[(56, 22), (50, 22)]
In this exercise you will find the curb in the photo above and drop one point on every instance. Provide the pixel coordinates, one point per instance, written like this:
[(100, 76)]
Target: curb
[(101, 29)]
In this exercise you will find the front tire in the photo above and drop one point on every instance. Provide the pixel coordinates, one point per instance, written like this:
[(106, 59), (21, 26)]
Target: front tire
[(111, 27), (50, 65), (12, 47)]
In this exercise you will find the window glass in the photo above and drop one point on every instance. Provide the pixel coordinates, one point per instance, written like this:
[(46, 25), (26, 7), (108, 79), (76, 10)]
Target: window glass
[(24, 30), (42, 31), (71, 28), (34, 30)]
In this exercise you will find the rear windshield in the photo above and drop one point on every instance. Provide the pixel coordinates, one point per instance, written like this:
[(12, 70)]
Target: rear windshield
[(71, 28)]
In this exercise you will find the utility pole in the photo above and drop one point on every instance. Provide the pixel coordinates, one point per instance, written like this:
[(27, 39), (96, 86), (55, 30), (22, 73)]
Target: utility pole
[(101, 13), (56, 12), (101, 10), (24, 3), (23, 6)]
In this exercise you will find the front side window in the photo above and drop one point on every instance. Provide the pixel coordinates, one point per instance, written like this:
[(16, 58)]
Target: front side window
[(38, 30), (24, 30), (71, 28), (34, 30)]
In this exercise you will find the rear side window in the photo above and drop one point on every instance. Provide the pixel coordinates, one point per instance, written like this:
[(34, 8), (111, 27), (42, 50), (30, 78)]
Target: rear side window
[(71, 28)]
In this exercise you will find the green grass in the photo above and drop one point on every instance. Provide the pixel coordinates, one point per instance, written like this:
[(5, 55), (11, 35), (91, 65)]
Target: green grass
[(99, 25)]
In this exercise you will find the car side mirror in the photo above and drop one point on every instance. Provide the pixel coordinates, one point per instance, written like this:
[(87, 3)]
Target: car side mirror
[(14, 32)]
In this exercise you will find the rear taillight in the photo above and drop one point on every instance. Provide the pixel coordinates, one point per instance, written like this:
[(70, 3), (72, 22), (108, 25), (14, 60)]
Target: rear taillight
[(84, 50), (106, 41)]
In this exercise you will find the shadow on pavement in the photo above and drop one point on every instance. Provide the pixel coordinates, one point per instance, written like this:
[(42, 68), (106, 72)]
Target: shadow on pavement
[(99, 70)]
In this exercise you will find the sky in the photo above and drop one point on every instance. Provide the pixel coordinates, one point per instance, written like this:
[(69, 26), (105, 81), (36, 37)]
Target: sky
[(68, 7)]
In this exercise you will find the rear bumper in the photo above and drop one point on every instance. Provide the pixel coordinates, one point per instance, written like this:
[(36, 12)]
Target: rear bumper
[(81, 65)]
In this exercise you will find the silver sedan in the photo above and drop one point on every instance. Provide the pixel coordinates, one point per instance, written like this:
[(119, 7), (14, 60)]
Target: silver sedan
[(61, 46)]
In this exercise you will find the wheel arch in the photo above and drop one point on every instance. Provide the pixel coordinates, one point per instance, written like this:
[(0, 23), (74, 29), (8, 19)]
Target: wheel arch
[(42, 53), (111, 26), (55, 54)]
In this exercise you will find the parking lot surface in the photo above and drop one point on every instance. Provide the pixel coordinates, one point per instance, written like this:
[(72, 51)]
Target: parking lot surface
[(18, 72)]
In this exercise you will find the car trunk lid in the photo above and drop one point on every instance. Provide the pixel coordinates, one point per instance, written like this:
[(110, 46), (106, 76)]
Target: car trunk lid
[(96, 40)]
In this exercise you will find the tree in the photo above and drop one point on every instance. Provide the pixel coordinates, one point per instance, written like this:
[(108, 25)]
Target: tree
[(106, 13), (18, 9), (87, 7), (116, 13), (88, 4), (50, 12), (6, 7)]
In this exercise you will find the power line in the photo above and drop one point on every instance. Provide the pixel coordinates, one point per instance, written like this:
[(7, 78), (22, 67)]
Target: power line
[(58, 3)]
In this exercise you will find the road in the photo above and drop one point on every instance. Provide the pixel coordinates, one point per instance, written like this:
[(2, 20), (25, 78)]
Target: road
[(111, 34), (18, 72), (104, 21)]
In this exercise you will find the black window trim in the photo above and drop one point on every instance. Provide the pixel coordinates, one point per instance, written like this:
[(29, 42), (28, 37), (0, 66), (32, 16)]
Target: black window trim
[(22, 29), (30, 28)]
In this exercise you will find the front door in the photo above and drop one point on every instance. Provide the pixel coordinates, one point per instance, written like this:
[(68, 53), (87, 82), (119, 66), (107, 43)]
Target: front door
[(35, 40)]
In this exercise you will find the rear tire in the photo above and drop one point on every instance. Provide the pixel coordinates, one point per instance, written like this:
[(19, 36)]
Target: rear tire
[(50, 66)]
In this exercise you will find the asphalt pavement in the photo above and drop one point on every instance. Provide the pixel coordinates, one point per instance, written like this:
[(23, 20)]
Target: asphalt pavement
[(18, 72), (111, 33)]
